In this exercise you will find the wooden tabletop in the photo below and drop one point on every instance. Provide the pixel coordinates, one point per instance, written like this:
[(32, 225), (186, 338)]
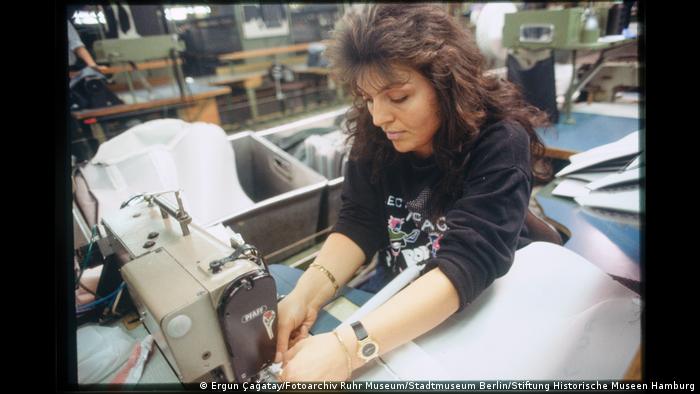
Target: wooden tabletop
[(223, 80), (125, 108), (265, 52), (304, 69), (149, 65), (238, 78)]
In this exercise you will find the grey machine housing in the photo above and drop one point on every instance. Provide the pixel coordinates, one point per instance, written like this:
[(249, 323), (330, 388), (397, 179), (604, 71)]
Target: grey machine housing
[(210, 307)]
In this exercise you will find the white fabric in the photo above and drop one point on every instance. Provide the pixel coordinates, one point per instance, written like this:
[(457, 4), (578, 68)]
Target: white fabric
[(553, 316), (489, 29), (101, 350), (133, 369), (169, 154)]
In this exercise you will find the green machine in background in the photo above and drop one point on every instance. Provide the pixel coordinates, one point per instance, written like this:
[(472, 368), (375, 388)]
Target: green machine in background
[(540, 29), (563, 29), (136, 49), (140, 49)]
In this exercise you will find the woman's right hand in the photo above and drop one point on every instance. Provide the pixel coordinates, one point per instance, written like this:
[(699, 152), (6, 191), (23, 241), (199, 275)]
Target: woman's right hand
[(296, 316)]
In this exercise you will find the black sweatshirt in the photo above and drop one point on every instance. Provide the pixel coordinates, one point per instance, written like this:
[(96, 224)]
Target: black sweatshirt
[(473, 243)]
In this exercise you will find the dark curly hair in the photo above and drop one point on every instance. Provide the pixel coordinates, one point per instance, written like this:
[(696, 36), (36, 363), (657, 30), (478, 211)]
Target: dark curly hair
[(427, 39)]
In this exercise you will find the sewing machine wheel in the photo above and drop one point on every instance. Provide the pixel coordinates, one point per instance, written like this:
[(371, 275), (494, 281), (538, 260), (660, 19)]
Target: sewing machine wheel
[(248, 318)]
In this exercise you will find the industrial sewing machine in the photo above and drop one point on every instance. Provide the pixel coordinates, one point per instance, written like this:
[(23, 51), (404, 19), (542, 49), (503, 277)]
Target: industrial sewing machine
[(530, 34), (535, 29), (210, 307)]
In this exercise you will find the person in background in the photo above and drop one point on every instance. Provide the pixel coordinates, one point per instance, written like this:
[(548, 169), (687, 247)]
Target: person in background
[(76, 49), (441, 169)]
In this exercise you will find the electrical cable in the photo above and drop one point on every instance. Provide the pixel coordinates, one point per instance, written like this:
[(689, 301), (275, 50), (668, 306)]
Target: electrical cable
[(94, 304)]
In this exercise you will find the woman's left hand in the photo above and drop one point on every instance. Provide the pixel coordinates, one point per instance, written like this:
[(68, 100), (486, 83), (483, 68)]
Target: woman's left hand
[(315, 359)]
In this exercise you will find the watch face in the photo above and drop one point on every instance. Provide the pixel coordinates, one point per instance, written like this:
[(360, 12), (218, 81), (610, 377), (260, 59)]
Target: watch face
[(369, 350)]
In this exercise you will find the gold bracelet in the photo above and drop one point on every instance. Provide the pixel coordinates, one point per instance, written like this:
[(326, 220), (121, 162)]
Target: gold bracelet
[(347, 354), (329, 275)]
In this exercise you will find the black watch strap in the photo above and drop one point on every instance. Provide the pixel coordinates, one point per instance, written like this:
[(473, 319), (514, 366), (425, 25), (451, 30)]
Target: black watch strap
[(360, 331)]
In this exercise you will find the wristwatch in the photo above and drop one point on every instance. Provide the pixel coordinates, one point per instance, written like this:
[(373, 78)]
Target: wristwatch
[(368, 348)]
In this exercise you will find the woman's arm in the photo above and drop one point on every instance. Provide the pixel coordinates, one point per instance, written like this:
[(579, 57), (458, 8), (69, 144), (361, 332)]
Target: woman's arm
[(341, 257), (418, 308)]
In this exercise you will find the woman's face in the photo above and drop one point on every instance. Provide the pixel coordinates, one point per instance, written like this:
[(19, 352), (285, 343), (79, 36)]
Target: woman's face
[(406, 112)]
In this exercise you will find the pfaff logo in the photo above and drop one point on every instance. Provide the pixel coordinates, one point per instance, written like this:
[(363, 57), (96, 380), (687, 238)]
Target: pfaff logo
[(253, 314)]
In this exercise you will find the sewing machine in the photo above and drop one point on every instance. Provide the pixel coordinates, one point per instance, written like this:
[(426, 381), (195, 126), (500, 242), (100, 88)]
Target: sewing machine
[(536, 29), (528, 33), (210, 307)]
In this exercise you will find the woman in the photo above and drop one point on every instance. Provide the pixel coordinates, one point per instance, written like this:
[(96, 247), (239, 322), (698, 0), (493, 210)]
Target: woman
[(440, 174)]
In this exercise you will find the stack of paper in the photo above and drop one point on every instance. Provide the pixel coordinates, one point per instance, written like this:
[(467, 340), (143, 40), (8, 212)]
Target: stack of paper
[(606, 177)]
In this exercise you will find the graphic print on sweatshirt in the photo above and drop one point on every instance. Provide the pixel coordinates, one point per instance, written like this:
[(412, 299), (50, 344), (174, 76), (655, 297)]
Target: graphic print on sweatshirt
[(413, 238)]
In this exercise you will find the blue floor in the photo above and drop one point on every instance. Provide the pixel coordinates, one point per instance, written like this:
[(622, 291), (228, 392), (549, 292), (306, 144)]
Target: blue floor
[(588, 132)]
